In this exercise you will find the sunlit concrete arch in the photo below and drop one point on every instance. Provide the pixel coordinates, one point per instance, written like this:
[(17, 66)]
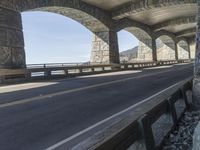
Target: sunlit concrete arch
[(104, 45), (192, 47), (183, 49), (126, 23), (146, 47), (166, 46), (143, 33), (91, 17), (98, 21), (165, 33)]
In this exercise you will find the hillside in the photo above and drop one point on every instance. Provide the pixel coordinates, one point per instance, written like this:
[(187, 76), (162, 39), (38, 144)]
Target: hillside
[(129, 55)]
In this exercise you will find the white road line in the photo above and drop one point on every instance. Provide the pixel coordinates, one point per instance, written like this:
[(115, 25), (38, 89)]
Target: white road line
[(23, 101), (105, 120)]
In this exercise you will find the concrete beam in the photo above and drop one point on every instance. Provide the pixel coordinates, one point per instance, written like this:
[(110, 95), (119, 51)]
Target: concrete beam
[(185, 32), (132, 7), (175, 22)]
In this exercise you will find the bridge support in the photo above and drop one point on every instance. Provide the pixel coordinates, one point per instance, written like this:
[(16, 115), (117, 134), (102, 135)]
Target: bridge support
[(105, 47), (192, 46), (196, 81), (166, 49), (147, 50), (12, 55), (183, 50)]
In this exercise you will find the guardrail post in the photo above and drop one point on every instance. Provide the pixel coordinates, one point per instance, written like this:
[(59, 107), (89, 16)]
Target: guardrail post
[(80, 70), (172, 109), (92, 69), (66, 72), (47, 73), (28, 75), (185, 96), (2, 79), (146, 131)]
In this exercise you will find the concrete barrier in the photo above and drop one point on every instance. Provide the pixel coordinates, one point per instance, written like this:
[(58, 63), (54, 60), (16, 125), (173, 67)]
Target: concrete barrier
[(49, 71), (145, 126)]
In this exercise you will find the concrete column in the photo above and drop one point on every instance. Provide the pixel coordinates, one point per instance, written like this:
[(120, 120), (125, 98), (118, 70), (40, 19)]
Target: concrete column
[(189, 52), (105, 47), (183, 50), (176, 51), (192, 46), (154, 50), (12, 55), (166, 49), (146, 50), (196, 81)]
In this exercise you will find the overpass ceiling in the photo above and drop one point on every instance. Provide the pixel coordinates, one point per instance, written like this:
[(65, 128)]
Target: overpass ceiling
[(152, 14), (158, 15)]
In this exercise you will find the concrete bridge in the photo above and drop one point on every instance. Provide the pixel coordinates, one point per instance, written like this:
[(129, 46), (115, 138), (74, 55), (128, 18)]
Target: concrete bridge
[(30, 112), (154, 23)]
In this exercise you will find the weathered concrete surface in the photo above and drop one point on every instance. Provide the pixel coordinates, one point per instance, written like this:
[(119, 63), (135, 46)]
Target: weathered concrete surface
[(105, 48), (147, 45), (196, 81), (192, 48), (183, 50), (196, 138), (12, 53), (165, 48)]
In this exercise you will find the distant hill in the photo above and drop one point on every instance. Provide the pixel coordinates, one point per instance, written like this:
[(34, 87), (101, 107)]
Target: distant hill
[(129, 55)]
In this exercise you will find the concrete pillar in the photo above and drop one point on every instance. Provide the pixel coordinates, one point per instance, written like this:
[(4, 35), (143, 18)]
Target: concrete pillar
[(196, 81), (176, 51), (154, 50), (192, 46), (12, 55), (189, 52), (147, 50), (166, 49), (183, 50), (105, 47)]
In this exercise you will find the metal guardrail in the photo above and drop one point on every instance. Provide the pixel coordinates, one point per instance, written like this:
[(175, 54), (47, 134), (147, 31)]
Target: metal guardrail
[(144, 126), (70, 69)]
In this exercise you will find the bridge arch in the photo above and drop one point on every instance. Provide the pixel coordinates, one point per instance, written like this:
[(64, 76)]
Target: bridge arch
[(165, 47), (91, 17), (146, 45), (105, 46), (144, 34)]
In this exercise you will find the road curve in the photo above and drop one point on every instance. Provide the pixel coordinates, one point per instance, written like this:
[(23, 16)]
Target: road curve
[(35, 116)]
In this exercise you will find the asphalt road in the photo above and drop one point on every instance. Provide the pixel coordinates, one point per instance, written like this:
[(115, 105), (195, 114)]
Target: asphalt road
[(35, 116)]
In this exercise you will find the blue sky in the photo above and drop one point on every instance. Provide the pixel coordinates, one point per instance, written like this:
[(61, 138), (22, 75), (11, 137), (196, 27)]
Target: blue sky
[(53, 38)]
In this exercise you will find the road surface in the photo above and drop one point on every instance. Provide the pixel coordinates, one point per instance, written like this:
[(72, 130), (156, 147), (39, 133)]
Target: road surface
[(36, 116)]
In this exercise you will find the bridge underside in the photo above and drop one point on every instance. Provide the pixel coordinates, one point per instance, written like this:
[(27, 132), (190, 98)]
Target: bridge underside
[(146, 19)]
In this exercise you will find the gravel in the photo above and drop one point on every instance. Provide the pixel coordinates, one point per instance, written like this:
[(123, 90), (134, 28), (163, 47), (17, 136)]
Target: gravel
[(182, 137)]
